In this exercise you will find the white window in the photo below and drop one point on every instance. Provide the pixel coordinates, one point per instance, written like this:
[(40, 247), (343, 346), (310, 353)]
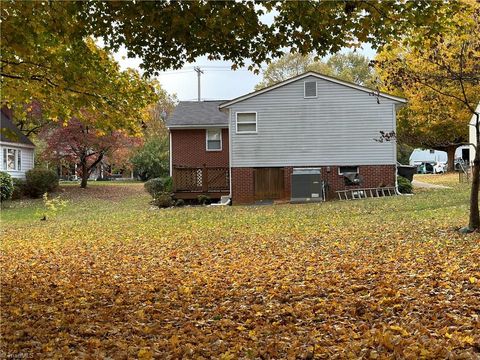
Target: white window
[(12, 159), (310, 89), (247, 123), (214, 139), (342, 170)]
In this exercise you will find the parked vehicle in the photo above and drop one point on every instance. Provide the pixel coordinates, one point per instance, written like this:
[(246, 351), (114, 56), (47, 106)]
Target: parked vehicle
[(425, 168), (440, 168)]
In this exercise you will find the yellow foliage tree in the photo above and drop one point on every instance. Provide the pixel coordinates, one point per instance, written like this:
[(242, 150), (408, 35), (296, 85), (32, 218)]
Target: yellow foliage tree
[(440, 76)]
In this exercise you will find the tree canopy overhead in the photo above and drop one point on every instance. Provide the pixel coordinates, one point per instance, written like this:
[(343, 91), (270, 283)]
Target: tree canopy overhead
[(167, 34)]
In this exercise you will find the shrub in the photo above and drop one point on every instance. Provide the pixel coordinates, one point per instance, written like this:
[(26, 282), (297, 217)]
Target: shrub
[(151, 160), (404, 185), (163, 200), (40, 181), (19, 190), (180, 202), (6, 186), (203, 199), (158, 185), (154, 187), (168, 183)]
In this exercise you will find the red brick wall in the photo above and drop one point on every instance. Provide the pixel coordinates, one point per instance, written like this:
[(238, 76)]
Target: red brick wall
[(189, 149), (373, 176), (242, 186)]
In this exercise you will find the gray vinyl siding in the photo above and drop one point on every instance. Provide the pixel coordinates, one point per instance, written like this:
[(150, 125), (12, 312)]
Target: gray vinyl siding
[(337, 127), (27, 161)]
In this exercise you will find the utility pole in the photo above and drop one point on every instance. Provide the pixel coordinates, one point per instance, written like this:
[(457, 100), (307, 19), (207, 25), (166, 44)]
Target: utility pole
[(199, 73)]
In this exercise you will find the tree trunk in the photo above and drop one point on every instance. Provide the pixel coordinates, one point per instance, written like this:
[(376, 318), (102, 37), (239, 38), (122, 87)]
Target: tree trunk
[(85, 174), (474, 222), (451, 158)]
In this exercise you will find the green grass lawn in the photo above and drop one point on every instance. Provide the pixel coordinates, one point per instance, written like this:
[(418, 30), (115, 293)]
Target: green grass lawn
[(110, 276)]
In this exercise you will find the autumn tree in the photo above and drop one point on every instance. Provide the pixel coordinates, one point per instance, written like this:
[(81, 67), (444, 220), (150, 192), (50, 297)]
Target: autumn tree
[(169, 34), (56, 66), (86, 146), (441, 75), (350, 67), (151, 159)]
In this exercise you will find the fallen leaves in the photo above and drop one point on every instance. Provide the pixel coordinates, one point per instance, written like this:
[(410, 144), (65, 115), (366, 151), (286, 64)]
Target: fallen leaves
[(339, 280)]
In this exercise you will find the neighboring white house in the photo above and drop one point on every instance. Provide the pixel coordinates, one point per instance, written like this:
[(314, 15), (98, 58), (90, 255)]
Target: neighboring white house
[(473, 138), (16, 150)]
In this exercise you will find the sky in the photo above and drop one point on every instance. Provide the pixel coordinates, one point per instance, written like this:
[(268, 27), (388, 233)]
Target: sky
[(218, 81)]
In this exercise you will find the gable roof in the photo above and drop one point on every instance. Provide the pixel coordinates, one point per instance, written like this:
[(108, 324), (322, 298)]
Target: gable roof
[(191, 114), (317, 75), (10, 132)]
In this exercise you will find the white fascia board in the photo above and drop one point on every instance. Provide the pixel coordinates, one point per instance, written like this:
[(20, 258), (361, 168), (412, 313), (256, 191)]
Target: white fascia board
[(14, 144)]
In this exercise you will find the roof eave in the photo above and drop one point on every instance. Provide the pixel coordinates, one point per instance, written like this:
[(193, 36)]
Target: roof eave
[(197, 126), (17, 144), (299, 77)]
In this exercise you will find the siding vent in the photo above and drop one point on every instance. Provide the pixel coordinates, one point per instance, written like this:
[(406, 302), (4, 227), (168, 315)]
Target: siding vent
[(310, 89)]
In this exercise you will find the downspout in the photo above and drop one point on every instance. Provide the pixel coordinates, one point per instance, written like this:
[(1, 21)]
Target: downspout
[(397, 192), (170, 152), (229, 154)]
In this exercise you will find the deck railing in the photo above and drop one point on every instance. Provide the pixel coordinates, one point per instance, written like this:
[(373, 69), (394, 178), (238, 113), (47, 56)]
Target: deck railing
[(200, 179)]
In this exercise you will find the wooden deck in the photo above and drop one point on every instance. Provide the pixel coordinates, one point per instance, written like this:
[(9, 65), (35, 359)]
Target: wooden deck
[(189, 182)]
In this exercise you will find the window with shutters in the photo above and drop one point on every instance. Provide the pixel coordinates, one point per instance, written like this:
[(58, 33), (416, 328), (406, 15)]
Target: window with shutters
[(310, 89), (214, 139), (246, 123)]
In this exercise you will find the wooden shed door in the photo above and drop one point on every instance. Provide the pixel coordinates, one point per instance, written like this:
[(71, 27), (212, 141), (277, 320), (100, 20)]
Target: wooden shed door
[(269, 183)]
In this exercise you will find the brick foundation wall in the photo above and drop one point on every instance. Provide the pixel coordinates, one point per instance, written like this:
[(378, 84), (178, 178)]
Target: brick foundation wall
[(242, 186), (189, 149), (373, 176)]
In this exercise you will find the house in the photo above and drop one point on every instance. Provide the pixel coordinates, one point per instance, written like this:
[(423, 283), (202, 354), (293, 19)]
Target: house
[(249, 148), (472, 133), (16, 150)]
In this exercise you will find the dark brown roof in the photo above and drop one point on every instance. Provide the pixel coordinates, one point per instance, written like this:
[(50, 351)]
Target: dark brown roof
[(10, 132)]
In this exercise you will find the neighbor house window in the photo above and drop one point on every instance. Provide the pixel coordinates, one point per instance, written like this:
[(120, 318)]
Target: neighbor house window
[(310, 89), (12, 159), (214, 139), (342, 170), (247, 123)]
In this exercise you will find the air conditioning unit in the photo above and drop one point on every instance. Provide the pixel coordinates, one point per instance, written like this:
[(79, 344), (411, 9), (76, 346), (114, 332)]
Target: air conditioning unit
[(307, 185)]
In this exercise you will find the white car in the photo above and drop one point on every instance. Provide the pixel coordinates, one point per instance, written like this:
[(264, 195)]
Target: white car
[(440, 168)]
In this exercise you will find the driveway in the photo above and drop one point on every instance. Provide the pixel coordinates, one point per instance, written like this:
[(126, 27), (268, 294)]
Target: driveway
[(421, 184)]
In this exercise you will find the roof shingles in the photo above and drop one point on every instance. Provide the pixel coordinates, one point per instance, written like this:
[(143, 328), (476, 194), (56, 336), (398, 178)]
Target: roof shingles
[(10, 133), (198, 113)]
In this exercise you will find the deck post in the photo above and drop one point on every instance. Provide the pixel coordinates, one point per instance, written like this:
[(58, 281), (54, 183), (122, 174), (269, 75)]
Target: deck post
[(205, 178), (174, 179)]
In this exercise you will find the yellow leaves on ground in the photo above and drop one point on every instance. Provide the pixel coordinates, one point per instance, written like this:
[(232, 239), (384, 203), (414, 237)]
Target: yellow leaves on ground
[(112, 278)]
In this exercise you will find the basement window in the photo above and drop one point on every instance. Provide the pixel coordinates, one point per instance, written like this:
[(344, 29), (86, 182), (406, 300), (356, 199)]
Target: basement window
[(310, 89), (214, 140), (342, 170), (350, 175)]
